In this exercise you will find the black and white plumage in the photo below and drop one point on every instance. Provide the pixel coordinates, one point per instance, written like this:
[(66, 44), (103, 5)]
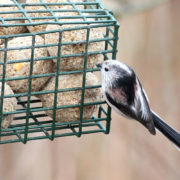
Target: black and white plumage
[(123, 92)]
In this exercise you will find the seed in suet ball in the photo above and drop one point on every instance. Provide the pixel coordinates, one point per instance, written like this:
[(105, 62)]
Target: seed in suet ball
[(9, 104), (22, 69), (77, 42), (38, 28), (13, 29), (71, 97)]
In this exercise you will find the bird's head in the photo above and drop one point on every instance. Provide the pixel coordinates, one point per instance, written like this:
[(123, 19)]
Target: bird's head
[(112, 70)]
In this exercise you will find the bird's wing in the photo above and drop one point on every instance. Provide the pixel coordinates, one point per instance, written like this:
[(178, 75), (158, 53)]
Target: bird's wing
[(118, 101), (142, 108), (118, 93)]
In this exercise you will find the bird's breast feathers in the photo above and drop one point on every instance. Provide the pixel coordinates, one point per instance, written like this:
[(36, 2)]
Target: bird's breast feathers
[(118, 93)]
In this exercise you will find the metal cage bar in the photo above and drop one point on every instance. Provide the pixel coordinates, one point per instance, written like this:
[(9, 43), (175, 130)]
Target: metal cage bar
[(83, 83), (3, 83), (56, 85)]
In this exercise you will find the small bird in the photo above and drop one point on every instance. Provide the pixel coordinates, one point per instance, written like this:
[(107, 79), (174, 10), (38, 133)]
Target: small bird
[(123, 92)]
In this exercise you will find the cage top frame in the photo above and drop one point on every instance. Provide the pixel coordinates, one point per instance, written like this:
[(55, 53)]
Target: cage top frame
[(91, 9)]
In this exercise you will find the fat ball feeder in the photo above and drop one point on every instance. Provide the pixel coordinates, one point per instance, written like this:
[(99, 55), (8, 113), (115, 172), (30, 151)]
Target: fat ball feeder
[(54, 59)]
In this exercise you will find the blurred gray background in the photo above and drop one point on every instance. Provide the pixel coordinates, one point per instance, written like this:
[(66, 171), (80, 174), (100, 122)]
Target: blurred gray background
[(149, 41)]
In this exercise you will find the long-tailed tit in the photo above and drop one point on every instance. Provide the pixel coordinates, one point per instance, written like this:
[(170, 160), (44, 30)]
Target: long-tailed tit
[(123, 92)]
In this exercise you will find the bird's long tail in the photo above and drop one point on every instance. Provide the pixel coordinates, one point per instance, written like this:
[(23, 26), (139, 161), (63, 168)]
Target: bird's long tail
[(166, 130)]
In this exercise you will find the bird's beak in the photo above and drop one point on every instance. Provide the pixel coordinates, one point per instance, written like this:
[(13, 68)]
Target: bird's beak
[(99, 65)]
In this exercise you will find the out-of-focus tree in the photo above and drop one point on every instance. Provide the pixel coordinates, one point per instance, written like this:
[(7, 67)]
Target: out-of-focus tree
[(122, 8)]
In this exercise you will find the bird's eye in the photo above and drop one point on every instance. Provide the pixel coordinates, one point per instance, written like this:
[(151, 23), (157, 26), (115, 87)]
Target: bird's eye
[(106, 69)]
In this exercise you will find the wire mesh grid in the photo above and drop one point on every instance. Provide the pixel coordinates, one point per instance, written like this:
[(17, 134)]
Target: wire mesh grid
[(31, 121)]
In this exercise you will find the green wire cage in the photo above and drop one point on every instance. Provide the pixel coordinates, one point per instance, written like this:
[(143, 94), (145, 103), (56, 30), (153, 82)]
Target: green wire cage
[(80, 34)]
